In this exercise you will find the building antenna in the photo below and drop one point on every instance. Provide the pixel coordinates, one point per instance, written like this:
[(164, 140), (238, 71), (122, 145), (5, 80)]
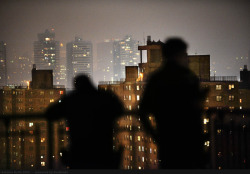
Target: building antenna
[(144, 38)]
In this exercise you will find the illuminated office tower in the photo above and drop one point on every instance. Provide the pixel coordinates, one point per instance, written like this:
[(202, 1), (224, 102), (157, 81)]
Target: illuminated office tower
[(3, 68), (24, 66), (125, 53), (105, 60), (46, 54), (79, 59)]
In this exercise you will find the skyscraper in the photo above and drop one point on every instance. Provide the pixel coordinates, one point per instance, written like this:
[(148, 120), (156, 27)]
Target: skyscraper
[(105, 60), (125, 53), (46, 53), (3, 70), (79, 59), (24, 66)]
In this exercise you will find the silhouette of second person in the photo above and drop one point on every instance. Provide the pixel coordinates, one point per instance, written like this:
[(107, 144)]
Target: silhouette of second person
[(90, 115), (173, 96)]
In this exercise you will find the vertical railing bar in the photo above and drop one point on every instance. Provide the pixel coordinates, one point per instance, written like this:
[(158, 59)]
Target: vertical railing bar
[(38, 145), (50, 144), (7, 146)]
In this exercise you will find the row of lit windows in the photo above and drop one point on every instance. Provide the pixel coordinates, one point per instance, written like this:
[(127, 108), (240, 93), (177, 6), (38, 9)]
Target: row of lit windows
[(128, 87), (129, 107), (140, 159), (219, 98), (31, 92), (129, 97), (219, 87)]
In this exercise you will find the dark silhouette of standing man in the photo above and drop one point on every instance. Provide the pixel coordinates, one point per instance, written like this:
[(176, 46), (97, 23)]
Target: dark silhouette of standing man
[(173, 96), (90, 115)]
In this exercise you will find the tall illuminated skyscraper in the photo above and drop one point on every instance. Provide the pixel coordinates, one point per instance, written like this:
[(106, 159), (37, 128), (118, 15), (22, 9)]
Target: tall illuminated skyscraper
[(125, 53), (46, 54), (105, 60), (79, 59), (3, 69)]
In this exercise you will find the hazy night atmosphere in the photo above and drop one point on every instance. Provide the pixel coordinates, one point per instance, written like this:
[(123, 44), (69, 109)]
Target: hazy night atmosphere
[(158, 84), (220, 29)]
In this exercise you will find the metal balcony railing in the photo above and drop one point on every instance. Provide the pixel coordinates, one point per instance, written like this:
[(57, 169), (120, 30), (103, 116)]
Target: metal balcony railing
[(227, 138)]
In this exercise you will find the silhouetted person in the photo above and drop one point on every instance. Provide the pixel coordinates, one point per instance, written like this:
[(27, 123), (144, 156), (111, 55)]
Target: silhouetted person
[(90, 115), (174, 97)]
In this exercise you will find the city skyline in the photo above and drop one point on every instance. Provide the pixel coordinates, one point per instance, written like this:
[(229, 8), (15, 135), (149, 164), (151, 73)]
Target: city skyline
[(216, 28), (140, 150)]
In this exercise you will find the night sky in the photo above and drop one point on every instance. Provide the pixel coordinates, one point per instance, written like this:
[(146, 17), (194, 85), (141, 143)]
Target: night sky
[(219, 28)]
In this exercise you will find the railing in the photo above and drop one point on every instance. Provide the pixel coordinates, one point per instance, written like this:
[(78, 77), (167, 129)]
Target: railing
[(111, 82), (223, 78), (227, 136)]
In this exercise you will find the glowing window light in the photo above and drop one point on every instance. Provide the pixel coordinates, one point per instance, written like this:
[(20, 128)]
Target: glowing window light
[(206, 120)]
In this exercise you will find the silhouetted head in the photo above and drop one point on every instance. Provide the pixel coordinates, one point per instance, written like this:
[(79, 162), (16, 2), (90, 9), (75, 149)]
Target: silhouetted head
[(175, 49), (82, 82)]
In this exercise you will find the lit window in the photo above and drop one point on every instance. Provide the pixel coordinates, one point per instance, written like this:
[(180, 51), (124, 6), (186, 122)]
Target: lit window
[(42, 157), (131, 148), (207, 100), (240, 100), (137, 87), (139, 148), (61, 154), (206, 120), (142, 159), (150, 118), (150, 150), (218, 87), (130, 137), (138, 97), (142, 148), (139, 167), (231, 86), (240, 107), (61, 92), (31, 124), (42, 140), (51, 100), (218, 98), (139, 138), (231, 97), (207, 143), (67, 129), (130, 107), (129, 87), (43, 164), (219, 131), (129, 97), (47, 39)]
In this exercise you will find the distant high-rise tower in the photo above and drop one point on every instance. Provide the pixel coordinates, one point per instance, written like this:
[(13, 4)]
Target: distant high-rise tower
[(105, 60), (46, 54), (79, 59), (125, 53), (3, 68), (24, 66)]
